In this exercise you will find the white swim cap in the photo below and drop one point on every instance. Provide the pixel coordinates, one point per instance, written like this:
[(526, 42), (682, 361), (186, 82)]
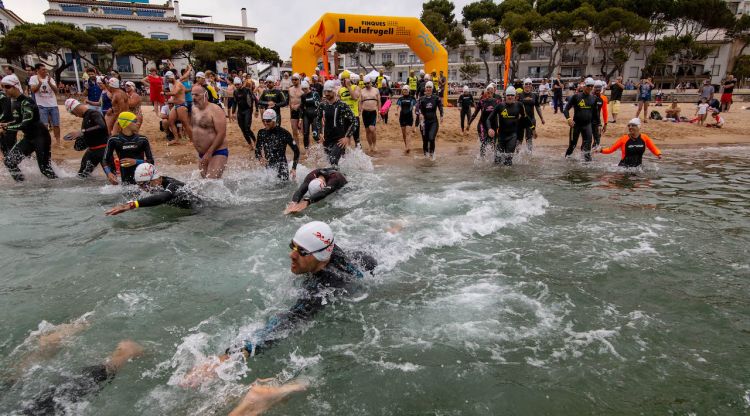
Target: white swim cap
[(130, 84), (316, 185), (114, 82), (270, 78), (428, 77), (295, 75), (599, 84), (169, 74), (367, 79), (466, 88), (405, 88), (71, 104), (315, 77), (589, 82), (354, 77), (429, 84), (237, 80), (510, 91), (146, 172), (635, 121), (315, 236), (421, 71), (269, 115), (527, 81), (329, 85), (200, 75), (305, 84)]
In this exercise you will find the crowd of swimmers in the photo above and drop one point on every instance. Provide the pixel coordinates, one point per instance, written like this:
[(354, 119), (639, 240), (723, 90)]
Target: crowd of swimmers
[(322, 111)]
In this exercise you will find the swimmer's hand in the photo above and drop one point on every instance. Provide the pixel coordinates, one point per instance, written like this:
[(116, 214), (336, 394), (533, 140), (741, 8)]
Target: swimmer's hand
[(118, 210), (112, 178), (202, 372), (127, 162), (203, 163), (294, 207), (491, 133), (571, 123), (343, 142), (604, 128), (293, 174)]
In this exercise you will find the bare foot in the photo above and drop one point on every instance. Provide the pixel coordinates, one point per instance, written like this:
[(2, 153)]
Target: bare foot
[(50, 342), (262, 397)]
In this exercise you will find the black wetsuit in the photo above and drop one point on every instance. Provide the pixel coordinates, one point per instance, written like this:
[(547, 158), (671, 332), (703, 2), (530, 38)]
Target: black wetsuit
[(272, 145), (584, 106), (318, 290), (406, 116), (134, 147), (557, 95), (309, 108), (94, 140), (246, 101), (428, 108), (317, 87), (8, 138), (508, 117), (173, 193), (72, 390), (335, 180), (340, 122), (465, 102), (277, 96), (527, 126), (485, 106), (36, 139)]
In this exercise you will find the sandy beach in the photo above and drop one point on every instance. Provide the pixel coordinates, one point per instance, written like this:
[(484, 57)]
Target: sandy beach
[(450, 141)]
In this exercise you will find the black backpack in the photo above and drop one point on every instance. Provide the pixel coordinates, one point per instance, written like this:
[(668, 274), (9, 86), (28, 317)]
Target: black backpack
[(655, 115)]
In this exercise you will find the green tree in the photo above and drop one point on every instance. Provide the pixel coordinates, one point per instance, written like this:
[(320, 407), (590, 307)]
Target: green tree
[(469, 70), (389, 65), (184, 49), (438, 17), (741, 68), (105, 39), (617, 31), (484, 31), (49, 42), (739, 33), (683, 50), (354, 49), (143, 49)]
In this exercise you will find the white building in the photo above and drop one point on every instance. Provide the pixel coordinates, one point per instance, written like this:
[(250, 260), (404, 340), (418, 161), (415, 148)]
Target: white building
[(151, 20)]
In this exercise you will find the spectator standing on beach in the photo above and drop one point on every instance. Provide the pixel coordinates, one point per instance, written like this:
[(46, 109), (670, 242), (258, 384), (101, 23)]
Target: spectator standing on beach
[(726, 96)]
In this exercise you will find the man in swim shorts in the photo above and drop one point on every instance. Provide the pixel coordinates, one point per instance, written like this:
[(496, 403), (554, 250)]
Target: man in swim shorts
[(370, 105), (210, 127)]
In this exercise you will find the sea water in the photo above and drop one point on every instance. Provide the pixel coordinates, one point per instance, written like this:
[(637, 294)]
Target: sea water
[(552, 287)]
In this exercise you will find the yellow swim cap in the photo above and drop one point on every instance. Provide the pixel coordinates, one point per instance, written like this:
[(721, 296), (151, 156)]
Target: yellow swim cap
[(344, 75), (126, 118), (519, 90)]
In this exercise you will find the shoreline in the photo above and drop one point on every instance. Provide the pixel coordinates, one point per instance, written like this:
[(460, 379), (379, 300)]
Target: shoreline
[(450, 140)]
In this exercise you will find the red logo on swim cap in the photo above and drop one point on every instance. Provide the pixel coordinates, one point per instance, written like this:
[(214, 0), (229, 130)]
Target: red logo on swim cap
[(322, 238)]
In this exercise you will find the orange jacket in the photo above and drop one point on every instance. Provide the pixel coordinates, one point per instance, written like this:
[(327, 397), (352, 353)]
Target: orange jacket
[(620, 144)]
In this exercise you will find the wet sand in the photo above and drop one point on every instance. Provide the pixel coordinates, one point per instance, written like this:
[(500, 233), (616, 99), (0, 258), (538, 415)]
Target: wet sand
[(450, 141)]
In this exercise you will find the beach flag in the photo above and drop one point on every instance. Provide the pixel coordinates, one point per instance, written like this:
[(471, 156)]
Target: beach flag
[(508, 51)]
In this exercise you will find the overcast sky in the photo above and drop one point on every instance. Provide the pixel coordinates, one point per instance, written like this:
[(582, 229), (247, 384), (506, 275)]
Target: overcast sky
[(279, 23)]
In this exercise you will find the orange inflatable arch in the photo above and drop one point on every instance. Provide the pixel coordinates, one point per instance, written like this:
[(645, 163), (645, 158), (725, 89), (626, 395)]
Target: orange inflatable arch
[(333, 27)]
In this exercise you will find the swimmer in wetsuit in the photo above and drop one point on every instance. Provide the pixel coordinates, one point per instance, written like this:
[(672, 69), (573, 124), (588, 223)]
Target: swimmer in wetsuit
[(92, 137), (328, 272), (484, 108), (507, 116), (428, 106), (36, 138), (339, 123), (271, 147), (633, 145), (272, 98), (465, 103), (583, 105), (318, 184), (132, 149), (91, 381), (162, 189), (405, 108)]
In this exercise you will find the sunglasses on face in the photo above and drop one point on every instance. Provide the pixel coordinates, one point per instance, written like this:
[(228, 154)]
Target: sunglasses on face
[(303, 252), (7, 87), (268, 121)]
